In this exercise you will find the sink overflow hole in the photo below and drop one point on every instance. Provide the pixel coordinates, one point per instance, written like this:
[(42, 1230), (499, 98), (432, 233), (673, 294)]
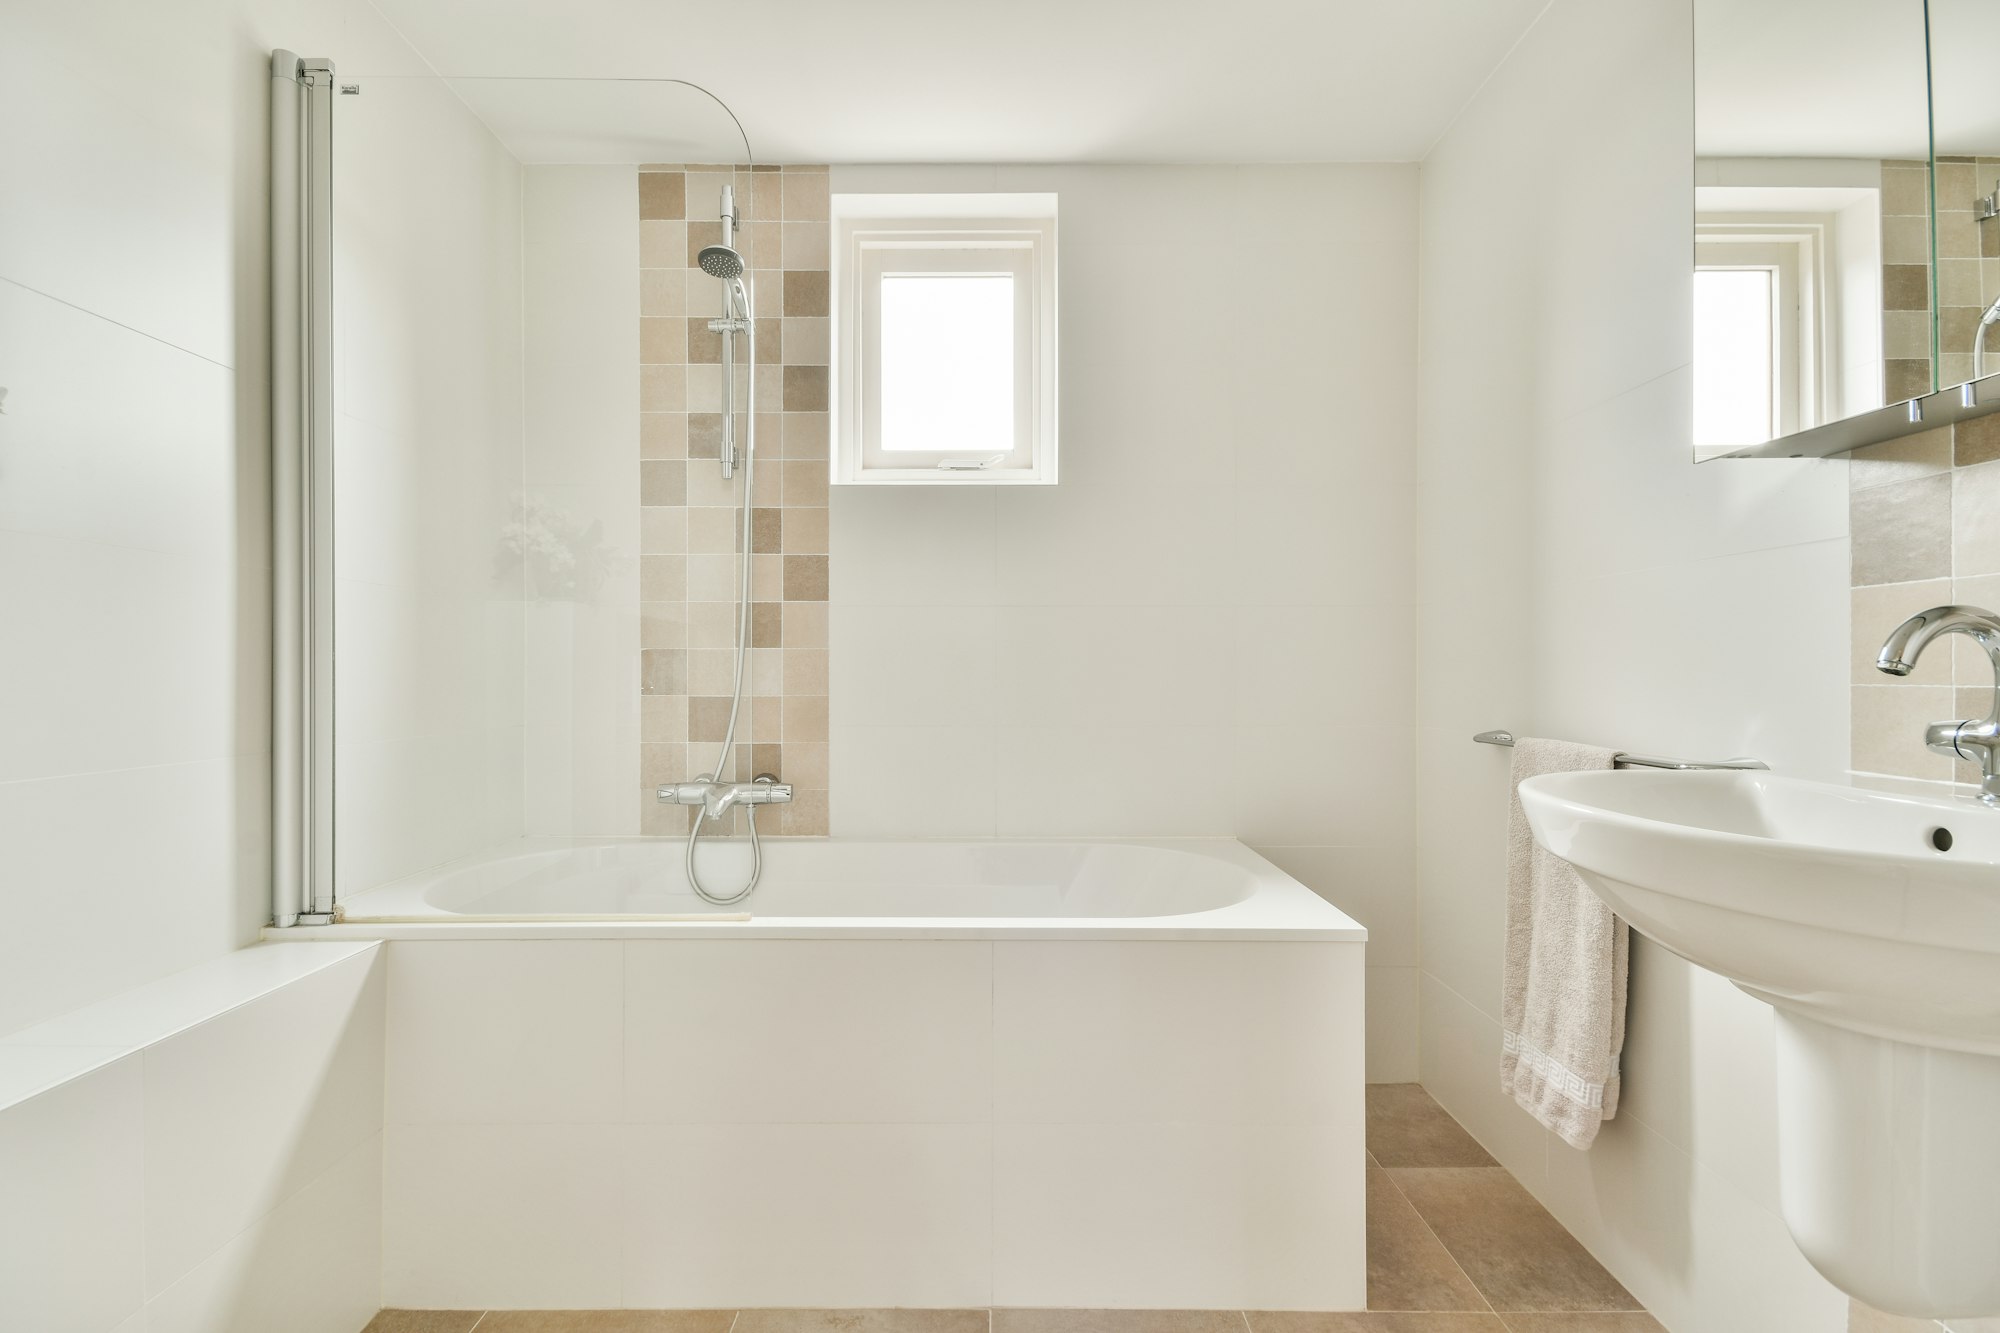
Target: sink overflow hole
[(1941, 839)]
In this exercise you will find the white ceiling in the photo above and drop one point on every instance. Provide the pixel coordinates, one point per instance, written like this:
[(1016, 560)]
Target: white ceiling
[(1017, 80)]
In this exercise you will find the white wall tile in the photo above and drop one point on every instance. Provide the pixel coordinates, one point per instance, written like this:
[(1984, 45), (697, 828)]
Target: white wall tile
[(314, 1265), (1083, 1216), (807, 1215), (490, 1032), (900, 1031), (1201, 1032), (898, 665), (72, 1234), (501, 1216), (913, 782), (1099, 778), (1393, 1025), (245, 1109), (1376, 885)]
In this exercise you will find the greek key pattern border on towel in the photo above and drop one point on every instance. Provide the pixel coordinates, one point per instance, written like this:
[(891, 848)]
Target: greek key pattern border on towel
[(1553, 1071)]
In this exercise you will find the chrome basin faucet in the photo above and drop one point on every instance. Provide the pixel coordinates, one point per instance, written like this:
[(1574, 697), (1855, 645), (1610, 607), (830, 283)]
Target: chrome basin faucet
[(1977, 741)]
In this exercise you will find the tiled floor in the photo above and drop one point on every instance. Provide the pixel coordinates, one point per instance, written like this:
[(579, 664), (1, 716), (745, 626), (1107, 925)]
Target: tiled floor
[(1455, 1245)]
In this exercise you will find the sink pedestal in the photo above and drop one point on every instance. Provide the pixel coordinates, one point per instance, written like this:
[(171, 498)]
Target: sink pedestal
[(1887, 1161)]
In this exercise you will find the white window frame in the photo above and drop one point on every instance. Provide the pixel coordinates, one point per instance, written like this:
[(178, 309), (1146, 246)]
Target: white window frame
[(898, 235)]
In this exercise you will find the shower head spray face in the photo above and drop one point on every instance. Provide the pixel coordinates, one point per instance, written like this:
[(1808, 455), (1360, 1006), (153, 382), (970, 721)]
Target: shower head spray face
[(719, 261)]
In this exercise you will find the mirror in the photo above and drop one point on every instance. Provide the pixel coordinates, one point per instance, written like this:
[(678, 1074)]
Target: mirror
[(1814, 298), (1965, 35)]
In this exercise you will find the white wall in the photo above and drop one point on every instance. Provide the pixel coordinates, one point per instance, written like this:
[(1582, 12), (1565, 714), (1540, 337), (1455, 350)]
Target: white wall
[(1206, 628), (134, 481), (1580, 578), (580, 262)]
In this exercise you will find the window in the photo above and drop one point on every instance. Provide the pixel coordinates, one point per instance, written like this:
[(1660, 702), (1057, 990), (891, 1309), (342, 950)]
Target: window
[(944, 342), (1736, 359)]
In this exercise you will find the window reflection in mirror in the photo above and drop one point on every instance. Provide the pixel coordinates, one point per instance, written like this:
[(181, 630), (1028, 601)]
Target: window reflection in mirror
[(1965, 42), (1813, 280)]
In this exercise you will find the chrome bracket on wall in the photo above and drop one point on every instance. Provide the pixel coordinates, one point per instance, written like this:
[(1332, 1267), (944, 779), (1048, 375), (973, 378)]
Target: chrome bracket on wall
[(301, 490)]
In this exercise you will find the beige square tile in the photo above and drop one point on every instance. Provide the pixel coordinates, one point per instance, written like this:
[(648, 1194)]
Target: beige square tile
[(663, 671), (805, 624), (767, 624), (1906, 287), (662, 292), (760, 243), (703, 345), (711, 670), (662, 341), (662, 194), (805, 388), (1901, 532), (1406, 1127), (806, 434), (663, 244), (769, 487), (805, 531), (1976, 441), (663, 762), (804, 718), (663, 625), (805, 484), (1958, 284), (662, 719), (663, 388), (808, 815), (1518, 1256), (808, 244), (805, 578), (663, 435), (1880, 608), (771, 349), (1904, 378), (712, 531), (1957, 230), (808, 340), (1975, 520), (1906, 333), (806, 196), (1887, 730), (704, 434), (1906, 459), (701, 235), (704, 194), (767, 531), (760, 195), (662, 578), (711, 578), (662, 482), (806, 764), (1906, 191), (1906, 240), (806, 293), (708, 718), (767, 578), (711, 624), (770, 387), (805, 670), (767, 672)]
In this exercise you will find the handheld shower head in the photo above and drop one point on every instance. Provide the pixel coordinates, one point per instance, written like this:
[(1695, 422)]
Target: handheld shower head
[(719, 261)]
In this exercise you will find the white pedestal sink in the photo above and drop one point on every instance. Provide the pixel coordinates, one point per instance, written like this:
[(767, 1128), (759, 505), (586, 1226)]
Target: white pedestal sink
[(1872, 924)]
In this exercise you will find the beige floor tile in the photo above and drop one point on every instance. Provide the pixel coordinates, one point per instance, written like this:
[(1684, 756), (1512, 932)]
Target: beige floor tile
[(1517, 1255), (1374, 1321), (861, 1321), (607, 1321), (1407, 1128), (1592, 1322), (1407, 1268), (423, 1321), (1117, 1321)]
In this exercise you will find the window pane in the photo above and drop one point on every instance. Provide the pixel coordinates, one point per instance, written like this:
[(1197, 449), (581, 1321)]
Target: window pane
[(1734, 392), (948, 363)]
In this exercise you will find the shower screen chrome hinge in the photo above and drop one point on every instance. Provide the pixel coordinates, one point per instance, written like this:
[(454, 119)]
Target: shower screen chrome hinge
[(302, 92)]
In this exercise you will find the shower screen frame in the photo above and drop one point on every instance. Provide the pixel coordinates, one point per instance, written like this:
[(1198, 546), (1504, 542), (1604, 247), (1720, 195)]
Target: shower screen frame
[(302, 417)]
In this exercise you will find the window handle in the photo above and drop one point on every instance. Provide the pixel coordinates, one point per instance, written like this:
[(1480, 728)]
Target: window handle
[(967, 464)]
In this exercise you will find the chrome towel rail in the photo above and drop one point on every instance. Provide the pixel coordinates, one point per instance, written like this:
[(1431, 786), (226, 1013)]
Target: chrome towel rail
[(1623, 759)]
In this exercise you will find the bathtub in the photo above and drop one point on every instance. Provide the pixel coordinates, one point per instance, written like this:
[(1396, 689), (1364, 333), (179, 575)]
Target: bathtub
[(900, 1074)]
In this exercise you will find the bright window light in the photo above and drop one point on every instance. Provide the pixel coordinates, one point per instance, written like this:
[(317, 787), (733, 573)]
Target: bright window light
[(947, 362), (1735, 392)]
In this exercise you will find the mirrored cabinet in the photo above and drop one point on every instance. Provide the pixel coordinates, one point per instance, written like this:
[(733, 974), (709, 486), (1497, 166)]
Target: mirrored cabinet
[(1846, 247)]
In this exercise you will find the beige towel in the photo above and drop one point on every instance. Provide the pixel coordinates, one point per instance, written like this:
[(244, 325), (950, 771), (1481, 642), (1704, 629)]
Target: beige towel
[(1563, 996)]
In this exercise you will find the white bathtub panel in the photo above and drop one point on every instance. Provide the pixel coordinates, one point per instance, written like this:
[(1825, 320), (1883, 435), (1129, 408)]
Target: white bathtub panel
[(754, 1031), (1206, 1032), (1261, 1217), (244, 1110), (808, 1215), (72, 1229), (501, 1216), (505, 1031), (312, 1266)]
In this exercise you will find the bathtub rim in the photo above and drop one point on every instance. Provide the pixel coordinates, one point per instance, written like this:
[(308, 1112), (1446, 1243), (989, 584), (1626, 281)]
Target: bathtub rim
[(1278, 909)]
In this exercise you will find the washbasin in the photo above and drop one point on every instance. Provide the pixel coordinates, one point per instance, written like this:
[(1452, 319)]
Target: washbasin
[(1876, 913), (1871, 923)]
